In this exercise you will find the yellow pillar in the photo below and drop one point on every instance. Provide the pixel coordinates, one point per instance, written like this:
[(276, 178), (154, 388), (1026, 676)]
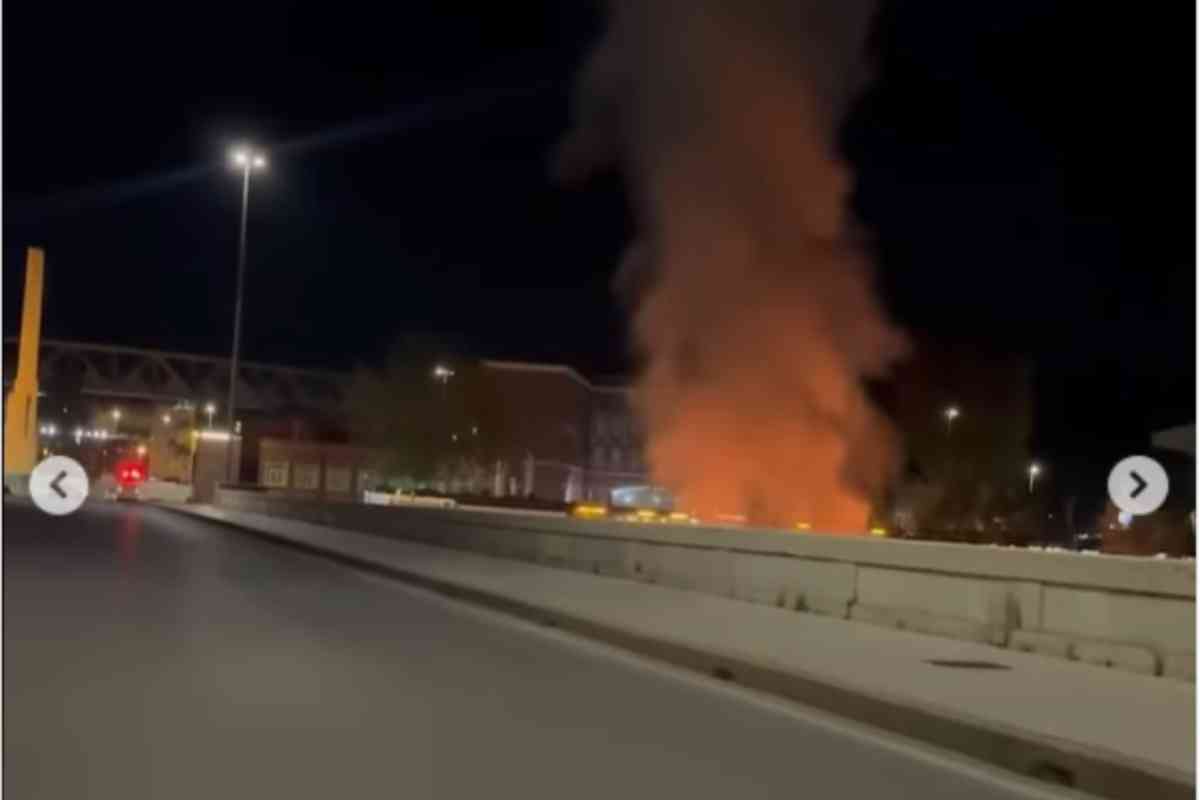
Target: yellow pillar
[(21, 412)]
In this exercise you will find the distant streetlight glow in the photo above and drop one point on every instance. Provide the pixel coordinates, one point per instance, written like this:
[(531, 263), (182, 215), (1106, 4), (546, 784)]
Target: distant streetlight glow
[(210, 409), (442, 374), (141, 450), (1035, 469), (166, 418), (951, 413)]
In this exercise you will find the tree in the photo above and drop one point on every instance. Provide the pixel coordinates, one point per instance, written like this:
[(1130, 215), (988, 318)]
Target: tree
[(434, 413), (966, 473)]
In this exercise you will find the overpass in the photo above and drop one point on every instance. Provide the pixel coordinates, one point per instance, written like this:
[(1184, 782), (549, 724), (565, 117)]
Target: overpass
[(160, 376)]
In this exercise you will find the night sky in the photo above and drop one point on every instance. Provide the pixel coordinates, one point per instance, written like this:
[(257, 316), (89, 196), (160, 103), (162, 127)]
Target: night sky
[(1026, 168)]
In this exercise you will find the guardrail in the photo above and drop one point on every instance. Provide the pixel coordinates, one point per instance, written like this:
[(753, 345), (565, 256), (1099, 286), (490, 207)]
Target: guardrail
[(1122, 612)]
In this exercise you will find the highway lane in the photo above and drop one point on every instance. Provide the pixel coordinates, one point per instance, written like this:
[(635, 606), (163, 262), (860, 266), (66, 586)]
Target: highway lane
[(148, 655)]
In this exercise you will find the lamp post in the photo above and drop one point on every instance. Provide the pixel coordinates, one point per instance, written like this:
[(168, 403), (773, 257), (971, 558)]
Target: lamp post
[(116, 415), (210, 409), (247, 160), (951, 413), (1034, 470), (442, 374)]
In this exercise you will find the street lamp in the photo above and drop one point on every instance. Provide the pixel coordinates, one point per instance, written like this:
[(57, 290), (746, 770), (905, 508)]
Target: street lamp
[(116, 415), (247, 160), (951, 413), (166, 418), (210, 409), (442, 374), (1035, 469)]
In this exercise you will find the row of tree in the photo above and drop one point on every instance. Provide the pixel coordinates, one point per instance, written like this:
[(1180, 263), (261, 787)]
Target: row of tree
[(434, 413)]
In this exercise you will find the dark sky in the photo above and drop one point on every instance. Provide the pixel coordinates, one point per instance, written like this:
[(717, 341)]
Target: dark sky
[(1026, 167)]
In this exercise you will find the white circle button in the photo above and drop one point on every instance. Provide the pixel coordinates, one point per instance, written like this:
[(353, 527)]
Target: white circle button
[(58, 485), (1138, 485)]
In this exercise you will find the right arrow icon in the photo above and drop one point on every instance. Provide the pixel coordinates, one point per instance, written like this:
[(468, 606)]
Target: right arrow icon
[(1138, 485)]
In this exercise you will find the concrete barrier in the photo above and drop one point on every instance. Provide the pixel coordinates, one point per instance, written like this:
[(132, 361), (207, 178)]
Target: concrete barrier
[(1119, 612), (165, 491)]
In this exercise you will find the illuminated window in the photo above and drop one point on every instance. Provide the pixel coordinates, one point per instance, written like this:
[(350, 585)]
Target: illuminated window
[(275, 474), (308, 477)]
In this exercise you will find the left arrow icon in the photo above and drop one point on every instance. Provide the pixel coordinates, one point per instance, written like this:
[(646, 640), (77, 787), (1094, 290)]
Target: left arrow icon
[(58, 485), (54, 484)]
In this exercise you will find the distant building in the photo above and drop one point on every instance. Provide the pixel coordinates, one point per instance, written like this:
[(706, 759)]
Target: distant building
[(565, 438), (318, 469)]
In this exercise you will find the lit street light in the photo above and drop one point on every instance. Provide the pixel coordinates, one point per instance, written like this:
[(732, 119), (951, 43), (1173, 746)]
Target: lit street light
[(951, 413), (246, 160), (116, 415), (210, 409), (442, 374), (1035, 469), (166, 418)]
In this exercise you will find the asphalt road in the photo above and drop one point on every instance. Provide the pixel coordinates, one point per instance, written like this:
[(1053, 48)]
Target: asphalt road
[(149, 655)]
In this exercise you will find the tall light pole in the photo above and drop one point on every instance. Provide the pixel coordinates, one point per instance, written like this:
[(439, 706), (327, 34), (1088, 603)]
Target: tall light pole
[(951, 413), (247, 160), (1034, 470), (442, 374), (210, 409), (116, 415)]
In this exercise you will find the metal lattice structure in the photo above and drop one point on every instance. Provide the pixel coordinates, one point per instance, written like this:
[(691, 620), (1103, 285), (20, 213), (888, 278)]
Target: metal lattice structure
[(160, 376)]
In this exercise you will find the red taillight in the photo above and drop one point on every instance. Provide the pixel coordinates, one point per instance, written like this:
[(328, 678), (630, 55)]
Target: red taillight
[(130, 474)]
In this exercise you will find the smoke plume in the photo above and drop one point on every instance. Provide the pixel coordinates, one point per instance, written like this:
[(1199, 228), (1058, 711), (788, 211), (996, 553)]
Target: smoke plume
[(754, 309)]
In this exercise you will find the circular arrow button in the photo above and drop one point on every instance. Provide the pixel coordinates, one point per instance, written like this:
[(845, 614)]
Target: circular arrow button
[(1138, 485), (58, 485)]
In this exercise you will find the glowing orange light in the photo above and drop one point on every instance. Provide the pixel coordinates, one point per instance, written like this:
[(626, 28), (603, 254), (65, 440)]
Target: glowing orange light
[(589, 510)]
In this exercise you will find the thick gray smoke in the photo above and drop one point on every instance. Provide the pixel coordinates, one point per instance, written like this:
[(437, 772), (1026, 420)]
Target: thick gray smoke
[(754, 306)]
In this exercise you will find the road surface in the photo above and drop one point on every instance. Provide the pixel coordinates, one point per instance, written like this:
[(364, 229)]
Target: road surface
[(149, 655)]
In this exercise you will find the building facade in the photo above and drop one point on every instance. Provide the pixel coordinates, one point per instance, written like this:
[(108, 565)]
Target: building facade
[(565, 438), (318, 469)]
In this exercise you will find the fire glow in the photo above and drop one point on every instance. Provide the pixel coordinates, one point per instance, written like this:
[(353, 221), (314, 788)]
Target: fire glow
[(754, 310)]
